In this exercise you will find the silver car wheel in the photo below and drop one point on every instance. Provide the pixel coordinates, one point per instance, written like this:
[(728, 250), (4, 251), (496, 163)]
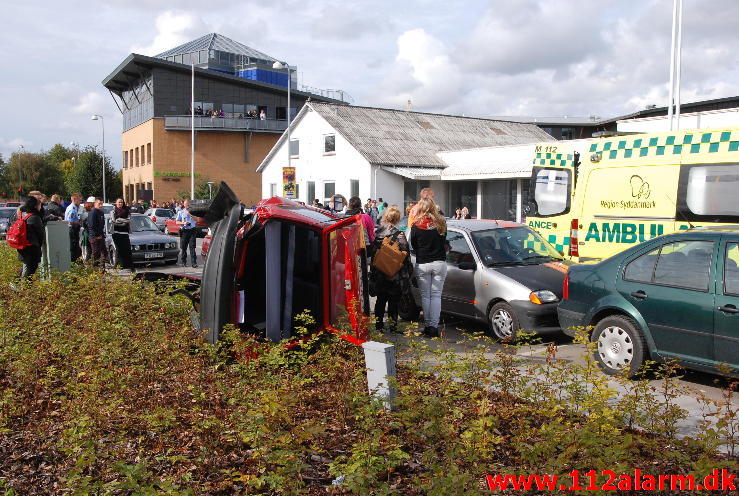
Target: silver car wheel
[(615, 347), (502, 324)]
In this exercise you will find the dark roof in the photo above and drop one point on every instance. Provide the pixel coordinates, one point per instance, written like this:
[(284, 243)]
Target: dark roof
[(215, 41), (404, 138), (133, 67)]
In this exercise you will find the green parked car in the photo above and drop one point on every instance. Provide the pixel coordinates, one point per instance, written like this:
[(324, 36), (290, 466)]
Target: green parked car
[(673, 297)]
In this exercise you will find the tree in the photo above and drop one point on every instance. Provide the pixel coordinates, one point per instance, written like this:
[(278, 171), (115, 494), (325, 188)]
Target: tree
[(202, 191), (87, 175), (6, 188), (34, 171)]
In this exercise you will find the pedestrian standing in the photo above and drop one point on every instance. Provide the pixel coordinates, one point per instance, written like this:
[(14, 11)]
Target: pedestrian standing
[(54, 207), (121, 216), (85, 233), (31, 212), (389, 290), (96, 233), (187, 233), (355, 208), (72, 216), (428, 239)]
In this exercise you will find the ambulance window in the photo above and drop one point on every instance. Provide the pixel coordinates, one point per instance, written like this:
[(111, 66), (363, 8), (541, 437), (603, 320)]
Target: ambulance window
[(709, 192), (552, 191)]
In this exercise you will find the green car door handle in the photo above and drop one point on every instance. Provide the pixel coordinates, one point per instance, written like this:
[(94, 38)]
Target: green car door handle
[(729, 309), (639, 295)]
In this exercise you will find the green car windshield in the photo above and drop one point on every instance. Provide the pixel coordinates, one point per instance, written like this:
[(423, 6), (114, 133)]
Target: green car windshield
[(513, 246)]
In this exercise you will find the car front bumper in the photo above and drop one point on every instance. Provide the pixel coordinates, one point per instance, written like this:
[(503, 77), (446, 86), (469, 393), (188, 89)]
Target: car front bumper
[(570, 320), (536, 318), (170, 254)]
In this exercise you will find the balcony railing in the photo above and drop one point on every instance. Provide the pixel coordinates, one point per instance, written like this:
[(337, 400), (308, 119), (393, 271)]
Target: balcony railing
[(182, 122)]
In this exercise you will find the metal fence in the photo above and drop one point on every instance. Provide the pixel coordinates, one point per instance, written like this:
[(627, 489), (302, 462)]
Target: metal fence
[(202, 122)]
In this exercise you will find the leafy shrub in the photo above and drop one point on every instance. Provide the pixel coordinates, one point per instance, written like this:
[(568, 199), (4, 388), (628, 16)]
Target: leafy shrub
[(104, 389)]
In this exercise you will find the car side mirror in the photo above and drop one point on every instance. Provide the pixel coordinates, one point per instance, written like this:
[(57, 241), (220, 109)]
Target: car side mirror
[(467, 265)]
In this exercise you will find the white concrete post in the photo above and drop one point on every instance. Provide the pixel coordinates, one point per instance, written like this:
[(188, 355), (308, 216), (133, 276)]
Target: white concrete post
[(380, 362)]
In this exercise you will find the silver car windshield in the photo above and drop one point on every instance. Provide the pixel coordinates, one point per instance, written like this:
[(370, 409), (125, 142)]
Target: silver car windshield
[(142, 223), (513, 246)]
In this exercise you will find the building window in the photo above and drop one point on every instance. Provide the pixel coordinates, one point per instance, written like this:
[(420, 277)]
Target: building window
[(125, 159), (329, 189), (272, 189), (280, 113), (143, 155), (568, 133), (130, 158), (354, 187), (137, 156), (311, 191), (329, 143), (148, 153), (294, 148)]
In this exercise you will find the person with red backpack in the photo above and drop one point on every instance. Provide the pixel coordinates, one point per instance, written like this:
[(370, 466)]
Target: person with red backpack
[(27, 236)]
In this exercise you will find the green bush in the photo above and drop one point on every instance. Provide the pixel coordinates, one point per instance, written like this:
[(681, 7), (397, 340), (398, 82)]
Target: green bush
[(104, 389)]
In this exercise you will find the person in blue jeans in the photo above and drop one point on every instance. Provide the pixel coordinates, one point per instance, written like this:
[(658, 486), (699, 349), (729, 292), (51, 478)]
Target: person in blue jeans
[(428, 240), (187, 233)]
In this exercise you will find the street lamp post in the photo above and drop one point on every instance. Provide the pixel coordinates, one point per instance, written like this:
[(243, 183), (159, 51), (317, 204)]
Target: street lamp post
[(20, 177), (279, 66), (96, 117)]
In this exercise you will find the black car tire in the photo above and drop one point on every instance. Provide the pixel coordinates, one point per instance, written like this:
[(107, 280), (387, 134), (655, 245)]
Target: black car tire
[(619, 345), (504, 323), (407, 308)]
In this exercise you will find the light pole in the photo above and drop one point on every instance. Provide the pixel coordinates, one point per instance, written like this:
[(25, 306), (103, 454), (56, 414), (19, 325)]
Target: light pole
[(96, 117), (279, 66), (210, 190), (20, 177)]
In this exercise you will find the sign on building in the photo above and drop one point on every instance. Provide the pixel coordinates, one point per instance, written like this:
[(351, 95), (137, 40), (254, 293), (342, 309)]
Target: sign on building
[(288, 183)]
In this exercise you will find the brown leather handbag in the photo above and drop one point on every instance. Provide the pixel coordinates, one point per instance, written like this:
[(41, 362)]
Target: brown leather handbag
[(389, 258)]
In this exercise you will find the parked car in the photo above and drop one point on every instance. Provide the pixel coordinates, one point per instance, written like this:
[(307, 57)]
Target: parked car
[(171, 227), (159, 216), (7, 217), (148, 244), (2, 204), (108, 209), (13, 204), (284, 259), (674, 297), (500, 273)]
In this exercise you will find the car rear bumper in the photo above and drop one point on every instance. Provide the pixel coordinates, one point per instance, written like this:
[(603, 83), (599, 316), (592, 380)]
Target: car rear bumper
[(536, 318), (570, 320)]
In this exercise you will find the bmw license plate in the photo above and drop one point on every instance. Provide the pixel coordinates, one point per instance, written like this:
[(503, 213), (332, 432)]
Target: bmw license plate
[(154, 254)]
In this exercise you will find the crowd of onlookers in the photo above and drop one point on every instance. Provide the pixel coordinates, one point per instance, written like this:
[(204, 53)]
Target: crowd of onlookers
[(216, 113)]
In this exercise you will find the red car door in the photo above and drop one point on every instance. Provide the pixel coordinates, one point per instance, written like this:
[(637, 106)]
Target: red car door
[(344, 286)]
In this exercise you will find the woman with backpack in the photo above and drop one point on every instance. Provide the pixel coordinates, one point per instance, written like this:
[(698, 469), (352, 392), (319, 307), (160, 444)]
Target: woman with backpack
[(30, 213), (428, 239), (389, 289)]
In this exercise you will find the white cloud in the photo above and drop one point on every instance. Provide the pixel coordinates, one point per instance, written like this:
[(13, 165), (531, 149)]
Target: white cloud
[(91, 103), (423, 73), (10, 146), (173, 28)]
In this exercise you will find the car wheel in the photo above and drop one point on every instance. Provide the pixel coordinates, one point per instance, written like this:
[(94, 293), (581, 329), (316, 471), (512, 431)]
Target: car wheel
[(407, 308), (619, 345), (504, 323)]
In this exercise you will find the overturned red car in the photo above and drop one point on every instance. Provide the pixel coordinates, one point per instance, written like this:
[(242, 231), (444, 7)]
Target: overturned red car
[(268, 266)]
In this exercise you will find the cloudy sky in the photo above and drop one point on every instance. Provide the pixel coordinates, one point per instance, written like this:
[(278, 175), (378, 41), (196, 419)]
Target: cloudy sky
[(472, 57)]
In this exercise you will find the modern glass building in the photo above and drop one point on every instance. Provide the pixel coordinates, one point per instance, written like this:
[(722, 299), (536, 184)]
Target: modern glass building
[(241, 110)]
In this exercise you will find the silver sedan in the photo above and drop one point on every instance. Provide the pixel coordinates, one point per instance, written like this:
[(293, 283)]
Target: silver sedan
[(500, 273)]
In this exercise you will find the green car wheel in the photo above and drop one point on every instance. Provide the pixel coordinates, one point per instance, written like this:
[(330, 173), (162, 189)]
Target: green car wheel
[(619, 345)]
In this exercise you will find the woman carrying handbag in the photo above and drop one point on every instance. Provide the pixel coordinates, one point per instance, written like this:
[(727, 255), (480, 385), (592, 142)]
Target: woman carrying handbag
[(391, 270)]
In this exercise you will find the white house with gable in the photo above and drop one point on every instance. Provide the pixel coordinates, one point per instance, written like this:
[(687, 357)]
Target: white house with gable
[(392, 154)]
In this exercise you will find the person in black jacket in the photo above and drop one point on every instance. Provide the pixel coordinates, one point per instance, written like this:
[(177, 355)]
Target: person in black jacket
[(96, 231), (428, 239), (31, 210), (121, 228), (389, 289)]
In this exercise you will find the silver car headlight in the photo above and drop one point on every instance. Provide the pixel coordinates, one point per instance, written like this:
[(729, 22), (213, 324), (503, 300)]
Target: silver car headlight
[(136, 247), (542, 296)]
